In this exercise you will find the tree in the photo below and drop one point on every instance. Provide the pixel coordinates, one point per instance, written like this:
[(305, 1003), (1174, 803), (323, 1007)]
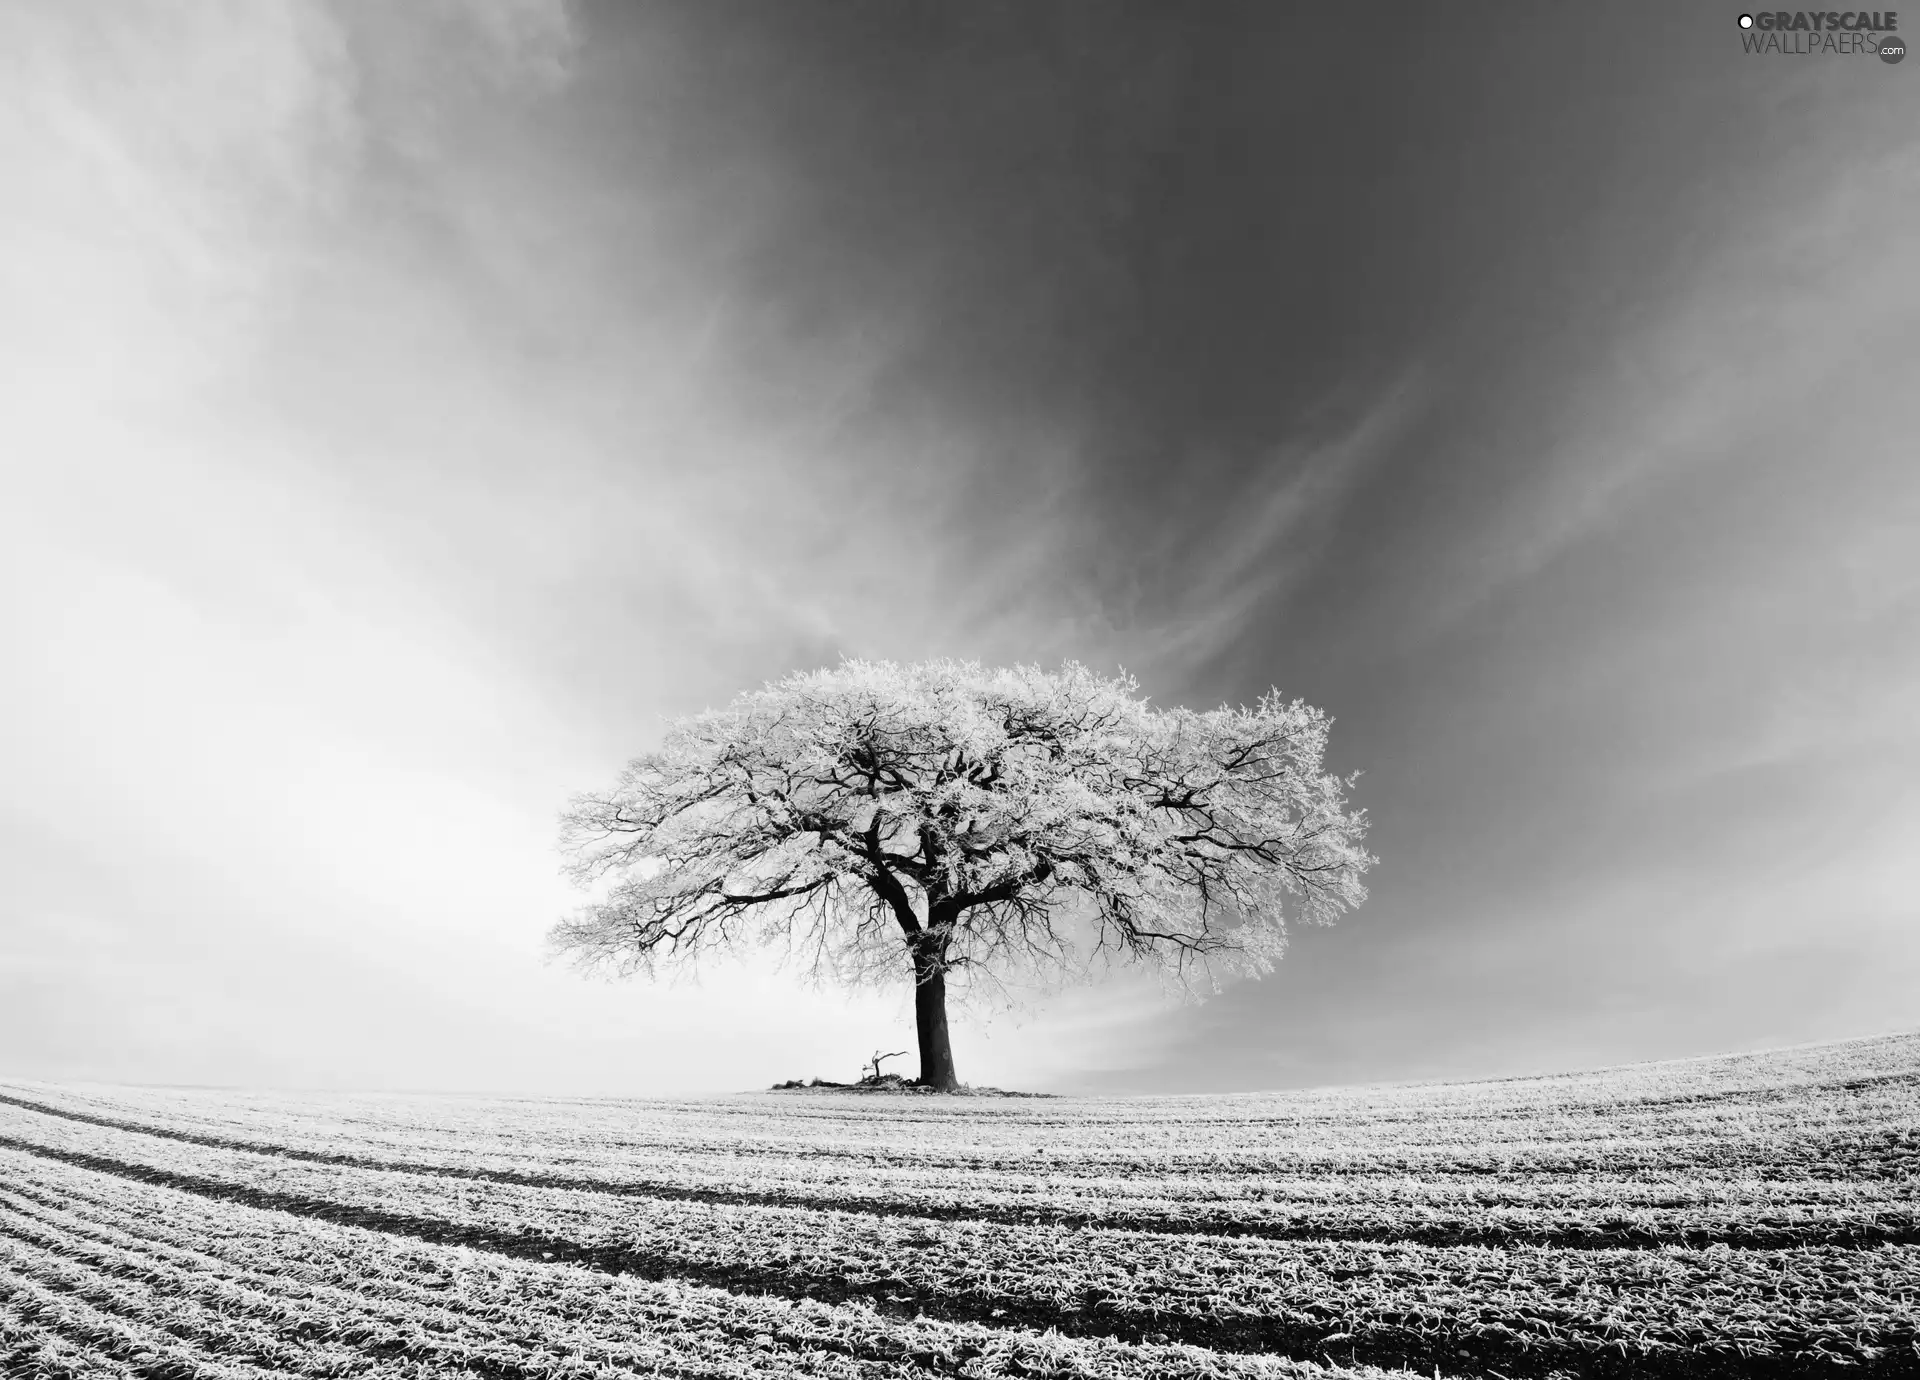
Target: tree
[(946, 819)]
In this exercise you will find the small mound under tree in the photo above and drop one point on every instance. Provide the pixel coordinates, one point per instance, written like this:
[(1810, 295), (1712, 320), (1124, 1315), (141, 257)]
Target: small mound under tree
[(952, 822)]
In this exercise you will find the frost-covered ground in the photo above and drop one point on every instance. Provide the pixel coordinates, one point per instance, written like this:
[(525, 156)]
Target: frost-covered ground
[(1749, 1215)]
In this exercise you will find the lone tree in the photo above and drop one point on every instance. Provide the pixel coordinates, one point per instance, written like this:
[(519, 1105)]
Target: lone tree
[(950, 819)]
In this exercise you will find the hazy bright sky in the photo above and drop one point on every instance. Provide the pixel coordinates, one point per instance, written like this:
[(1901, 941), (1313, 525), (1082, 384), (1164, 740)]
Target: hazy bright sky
[(405, 409)]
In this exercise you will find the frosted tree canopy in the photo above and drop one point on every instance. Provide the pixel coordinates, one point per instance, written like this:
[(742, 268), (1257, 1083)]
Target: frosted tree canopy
[(971, 820)]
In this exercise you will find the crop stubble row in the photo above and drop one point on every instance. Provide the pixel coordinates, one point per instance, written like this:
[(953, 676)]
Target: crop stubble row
[(106, 1275), (1410, 1300), (152, 1269), (1610, 1205)]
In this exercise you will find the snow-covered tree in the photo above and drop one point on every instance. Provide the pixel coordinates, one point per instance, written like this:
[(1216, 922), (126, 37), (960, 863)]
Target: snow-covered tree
[(949, 819)]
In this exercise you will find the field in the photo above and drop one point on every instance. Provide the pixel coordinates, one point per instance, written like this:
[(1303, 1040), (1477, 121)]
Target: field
[(1751, 1215)]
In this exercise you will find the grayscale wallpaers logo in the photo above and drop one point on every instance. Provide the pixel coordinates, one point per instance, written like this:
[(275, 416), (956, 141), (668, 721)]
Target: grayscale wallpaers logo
[(1866, 33)]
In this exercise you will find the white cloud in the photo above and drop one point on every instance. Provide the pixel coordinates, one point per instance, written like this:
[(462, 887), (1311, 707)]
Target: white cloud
[(1275, 535)]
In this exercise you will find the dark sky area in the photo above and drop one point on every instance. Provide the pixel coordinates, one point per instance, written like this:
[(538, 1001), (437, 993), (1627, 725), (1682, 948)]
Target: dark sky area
[(1523, 385)]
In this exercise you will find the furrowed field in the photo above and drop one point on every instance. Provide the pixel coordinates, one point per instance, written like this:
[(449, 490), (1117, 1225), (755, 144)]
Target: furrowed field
[(1754, 1215)]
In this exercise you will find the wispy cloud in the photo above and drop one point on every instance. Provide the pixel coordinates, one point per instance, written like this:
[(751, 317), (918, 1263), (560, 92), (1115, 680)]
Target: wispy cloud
[(1777, 319), (1271, 534), (1187, 586)]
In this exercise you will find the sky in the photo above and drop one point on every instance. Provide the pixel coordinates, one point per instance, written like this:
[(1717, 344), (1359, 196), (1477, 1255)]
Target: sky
[(409, 410)]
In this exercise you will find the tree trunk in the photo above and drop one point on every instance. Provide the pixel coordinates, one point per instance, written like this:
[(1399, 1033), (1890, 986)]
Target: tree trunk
[(930, 1018)]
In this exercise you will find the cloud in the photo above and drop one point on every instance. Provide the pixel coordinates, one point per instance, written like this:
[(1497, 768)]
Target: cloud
[(521, 42), (1276, 529), (1783, 315), (1184, 579), (152, 159)]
